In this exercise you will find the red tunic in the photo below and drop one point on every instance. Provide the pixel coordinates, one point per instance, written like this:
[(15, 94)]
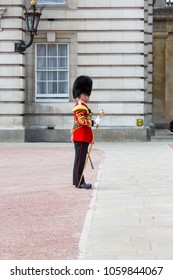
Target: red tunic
[(82, 119)]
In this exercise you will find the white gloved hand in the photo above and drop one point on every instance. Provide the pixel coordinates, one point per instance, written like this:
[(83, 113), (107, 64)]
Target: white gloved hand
[(97, 120)]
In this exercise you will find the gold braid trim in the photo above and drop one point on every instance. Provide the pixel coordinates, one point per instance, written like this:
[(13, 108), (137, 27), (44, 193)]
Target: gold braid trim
[(82, 119), (74, 127), (79, 107)]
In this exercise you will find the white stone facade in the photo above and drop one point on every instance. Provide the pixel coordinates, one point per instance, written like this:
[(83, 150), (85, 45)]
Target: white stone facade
[(109, 40)]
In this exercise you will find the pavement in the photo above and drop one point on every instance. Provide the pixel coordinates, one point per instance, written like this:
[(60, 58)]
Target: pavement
[(127, 215), (132, 214)]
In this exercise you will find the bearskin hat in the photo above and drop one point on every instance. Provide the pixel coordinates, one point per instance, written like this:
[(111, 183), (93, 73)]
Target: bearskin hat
[(83, 84)]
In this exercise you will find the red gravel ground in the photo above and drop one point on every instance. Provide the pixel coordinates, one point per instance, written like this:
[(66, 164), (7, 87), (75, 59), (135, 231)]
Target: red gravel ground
[(41, 213)]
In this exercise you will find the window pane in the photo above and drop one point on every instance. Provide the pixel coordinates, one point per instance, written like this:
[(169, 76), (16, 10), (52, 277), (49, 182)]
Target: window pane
[(41, 87), (62, 76), (52, 75), (41, 63), (41, 76), (52, 87), (52, 50), (62, 87), (62, 63), (62, 50), (52, 63), (41, 50)]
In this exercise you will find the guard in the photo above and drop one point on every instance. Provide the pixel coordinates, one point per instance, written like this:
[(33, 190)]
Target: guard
[(81, 131)]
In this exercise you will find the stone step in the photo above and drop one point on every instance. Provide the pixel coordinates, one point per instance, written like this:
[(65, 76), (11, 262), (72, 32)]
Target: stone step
[(162, 135)]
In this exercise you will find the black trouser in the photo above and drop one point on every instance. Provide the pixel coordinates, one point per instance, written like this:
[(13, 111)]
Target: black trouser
[(81, 149)]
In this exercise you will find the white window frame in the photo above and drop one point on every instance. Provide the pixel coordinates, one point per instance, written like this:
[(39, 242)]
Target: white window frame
[(47, 97), (51, 2)]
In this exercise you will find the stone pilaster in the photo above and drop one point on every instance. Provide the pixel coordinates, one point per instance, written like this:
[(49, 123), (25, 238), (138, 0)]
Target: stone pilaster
[(169, 79), (12, 73), (163, 65)]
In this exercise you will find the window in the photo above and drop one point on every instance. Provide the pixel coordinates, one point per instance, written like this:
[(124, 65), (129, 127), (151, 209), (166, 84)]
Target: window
[(169, 2), (52, 72), (51, 2)]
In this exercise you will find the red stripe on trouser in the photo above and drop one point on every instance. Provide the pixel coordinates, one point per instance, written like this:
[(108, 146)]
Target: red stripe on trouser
[(78, 166)]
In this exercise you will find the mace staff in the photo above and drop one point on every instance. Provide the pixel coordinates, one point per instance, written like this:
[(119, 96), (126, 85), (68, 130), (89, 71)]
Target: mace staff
[(100, 115), (92, 166)]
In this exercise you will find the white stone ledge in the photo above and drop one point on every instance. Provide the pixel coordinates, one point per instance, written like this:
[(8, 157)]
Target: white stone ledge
[(50, 108), (63, 122), (112, 71), (6, 46), (111, 36), (12, 83), (120, 96), (11, 22), (127, 25), (110, 3), (119, 121), (11, 128), (110, 47), (10, 35), (86, 60), (117, 96), (97, 24), (10, 2), (94, 14), (11, 108), (12, 71), (14, 11), (119, 83), (13, 96), (11, 121), (11, 59), (127, 13), (119, 108)]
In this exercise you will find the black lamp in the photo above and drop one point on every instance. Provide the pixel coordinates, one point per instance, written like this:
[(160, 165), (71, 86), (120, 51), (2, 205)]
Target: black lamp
[(32, 16)]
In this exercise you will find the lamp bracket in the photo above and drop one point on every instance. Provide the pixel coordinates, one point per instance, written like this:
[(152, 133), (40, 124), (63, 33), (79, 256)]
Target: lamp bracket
[(22, 46)]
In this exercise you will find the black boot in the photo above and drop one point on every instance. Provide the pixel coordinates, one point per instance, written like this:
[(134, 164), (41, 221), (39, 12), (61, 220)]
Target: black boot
[(85, 186)]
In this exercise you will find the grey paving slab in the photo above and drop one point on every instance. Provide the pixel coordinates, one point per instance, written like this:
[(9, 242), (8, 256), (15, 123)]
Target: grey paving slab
[(132, 216)]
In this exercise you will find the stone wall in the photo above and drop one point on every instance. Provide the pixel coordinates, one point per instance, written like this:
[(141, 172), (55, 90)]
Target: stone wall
[(12, 73), (111, 41)]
